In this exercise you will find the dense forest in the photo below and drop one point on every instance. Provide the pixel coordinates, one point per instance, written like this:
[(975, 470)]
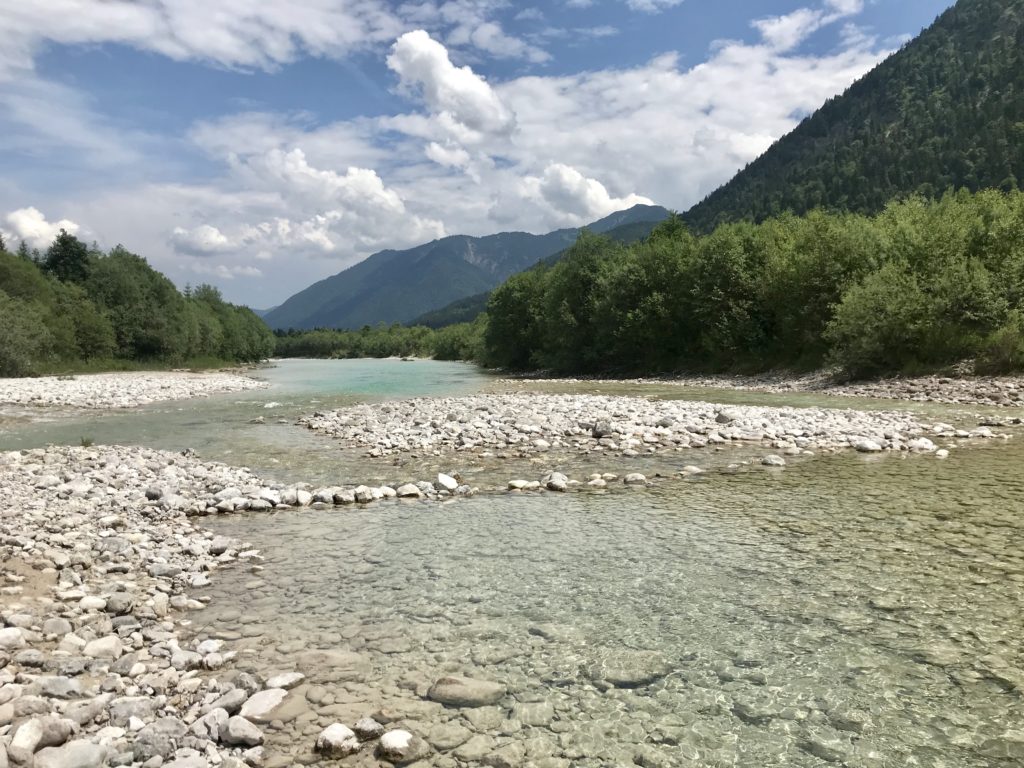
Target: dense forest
[(76, 308), (922, 285), (945, 112), (461, 341)]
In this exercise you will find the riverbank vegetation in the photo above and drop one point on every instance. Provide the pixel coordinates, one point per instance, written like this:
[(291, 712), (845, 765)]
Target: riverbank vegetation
[(462, 341), (920, 286), (75, 308)]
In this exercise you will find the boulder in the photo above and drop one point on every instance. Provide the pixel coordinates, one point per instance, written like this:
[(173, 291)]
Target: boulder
[(401, 747), (74, 754), (108, 647), (258, 706), (464, 692), (447, 482), (239, 732), (337, 740)]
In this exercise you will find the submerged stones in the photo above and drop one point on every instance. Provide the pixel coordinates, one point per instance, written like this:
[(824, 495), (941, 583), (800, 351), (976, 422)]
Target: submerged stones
[(464, 692), (630, 669)]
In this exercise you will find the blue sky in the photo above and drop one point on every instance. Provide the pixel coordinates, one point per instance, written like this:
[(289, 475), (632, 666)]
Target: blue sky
[(261, 146)]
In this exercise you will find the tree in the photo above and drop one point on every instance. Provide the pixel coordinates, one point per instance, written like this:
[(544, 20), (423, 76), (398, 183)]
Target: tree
[(67, 259)]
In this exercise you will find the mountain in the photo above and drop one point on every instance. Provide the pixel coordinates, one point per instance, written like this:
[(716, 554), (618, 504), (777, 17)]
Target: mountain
[(947, 110), (397, 286), (466, 310)]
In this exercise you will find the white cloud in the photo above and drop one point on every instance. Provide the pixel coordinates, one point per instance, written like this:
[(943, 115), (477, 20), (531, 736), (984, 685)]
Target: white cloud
[(651, 6), (31, 226), (456, 93), (232, 33), (574, 198), (786, 32), (295, 198)]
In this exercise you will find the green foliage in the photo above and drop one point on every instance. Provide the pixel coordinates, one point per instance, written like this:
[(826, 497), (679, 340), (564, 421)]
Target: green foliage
[(944, 112), (919, 286), (81, 309), (24, 338), (454, 342), (67, 259)]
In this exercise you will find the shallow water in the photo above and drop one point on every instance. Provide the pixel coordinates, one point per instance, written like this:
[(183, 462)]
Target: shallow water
[(862, 611)]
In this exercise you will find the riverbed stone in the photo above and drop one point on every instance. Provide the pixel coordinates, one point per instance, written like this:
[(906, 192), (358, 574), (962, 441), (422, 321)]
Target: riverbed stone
[(466, 692), (337, 740), (259, 706), (74, 754), (239, 732), (401, 747)]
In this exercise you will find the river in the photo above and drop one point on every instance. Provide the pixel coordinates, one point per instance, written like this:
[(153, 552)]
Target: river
[(848, 610)]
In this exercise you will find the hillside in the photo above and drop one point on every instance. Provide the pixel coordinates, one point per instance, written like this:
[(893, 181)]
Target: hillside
[(397, 286), (466, 310), (947, 110)]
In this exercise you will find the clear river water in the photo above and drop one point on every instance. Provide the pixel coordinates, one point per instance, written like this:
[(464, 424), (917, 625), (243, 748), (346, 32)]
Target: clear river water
[(847, 610)]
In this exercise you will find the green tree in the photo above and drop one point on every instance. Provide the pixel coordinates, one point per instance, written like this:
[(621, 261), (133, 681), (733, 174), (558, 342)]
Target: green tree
[(67, 259)]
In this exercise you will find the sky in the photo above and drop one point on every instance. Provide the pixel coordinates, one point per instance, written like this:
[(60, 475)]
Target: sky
[(260, 146)]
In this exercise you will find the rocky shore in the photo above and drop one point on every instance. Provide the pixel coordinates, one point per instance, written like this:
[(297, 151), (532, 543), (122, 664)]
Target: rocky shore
[(1005, 391), (119, 390), (524, 424), (99, 665)]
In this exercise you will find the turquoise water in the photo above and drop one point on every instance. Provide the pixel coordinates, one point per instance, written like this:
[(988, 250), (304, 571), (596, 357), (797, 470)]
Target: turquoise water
[(219, 428)]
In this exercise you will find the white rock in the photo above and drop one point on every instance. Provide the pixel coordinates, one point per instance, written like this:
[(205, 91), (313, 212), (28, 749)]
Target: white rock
[(239, 732), (447, 482), (259, 705), (337, 740), (286, 680), (11, 638), (108, 647)]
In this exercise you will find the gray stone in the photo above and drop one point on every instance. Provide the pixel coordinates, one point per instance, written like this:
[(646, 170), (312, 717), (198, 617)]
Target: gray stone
[(258, 706), (464, 692), (231, 702), (368, 729), (74, 754), (401, 747), (239, 732), (108, 647)]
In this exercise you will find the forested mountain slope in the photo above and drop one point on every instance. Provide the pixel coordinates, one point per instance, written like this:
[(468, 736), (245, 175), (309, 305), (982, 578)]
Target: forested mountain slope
[(946, 111), (397, 286)]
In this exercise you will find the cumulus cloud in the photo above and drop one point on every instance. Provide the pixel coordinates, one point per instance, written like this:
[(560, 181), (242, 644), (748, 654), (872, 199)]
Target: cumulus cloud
[(572, 197), (293, 197), (31, 226), (321, 211), (455, 93)]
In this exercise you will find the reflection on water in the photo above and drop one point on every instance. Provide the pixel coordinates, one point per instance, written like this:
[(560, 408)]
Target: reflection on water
[(855, 611)]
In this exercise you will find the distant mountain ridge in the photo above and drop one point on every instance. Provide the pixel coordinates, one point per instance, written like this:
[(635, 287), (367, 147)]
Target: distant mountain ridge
[(398, 286), (946, 111)]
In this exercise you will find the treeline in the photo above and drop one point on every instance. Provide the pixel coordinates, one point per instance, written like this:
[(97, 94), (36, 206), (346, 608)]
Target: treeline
[(922, 285), (77, 308), (454, 342)]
